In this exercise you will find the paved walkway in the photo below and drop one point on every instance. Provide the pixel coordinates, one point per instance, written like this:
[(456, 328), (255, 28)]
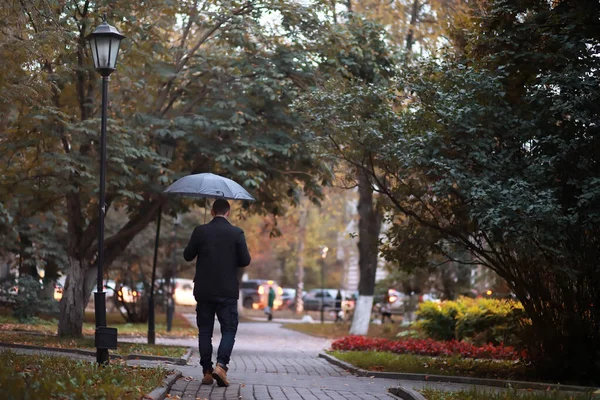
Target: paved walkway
[(270, 362)]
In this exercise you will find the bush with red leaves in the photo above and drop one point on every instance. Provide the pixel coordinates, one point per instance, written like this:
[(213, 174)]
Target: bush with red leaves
[(427, 347)]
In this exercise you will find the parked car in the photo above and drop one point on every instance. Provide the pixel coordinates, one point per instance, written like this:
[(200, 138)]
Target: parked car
[(255, 293), (127, 294), (429, 297), (184, 292), (288, 297), (59, 285), (314, 298), (395, 299)]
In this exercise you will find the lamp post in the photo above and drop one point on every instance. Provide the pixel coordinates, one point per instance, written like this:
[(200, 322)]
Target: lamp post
[(104, 44), (171, 285), (166, 150), (323, 255)]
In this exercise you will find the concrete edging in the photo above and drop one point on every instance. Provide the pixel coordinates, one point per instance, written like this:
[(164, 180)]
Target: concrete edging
[(178, 361), (406, 393), (160, 393), (457, 379), (186, 357), (82, 352)]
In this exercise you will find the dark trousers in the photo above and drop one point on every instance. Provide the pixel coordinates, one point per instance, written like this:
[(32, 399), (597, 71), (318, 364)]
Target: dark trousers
[(226, 311)]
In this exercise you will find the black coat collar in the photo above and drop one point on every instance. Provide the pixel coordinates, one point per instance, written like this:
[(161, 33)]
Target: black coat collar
[(220, 220)]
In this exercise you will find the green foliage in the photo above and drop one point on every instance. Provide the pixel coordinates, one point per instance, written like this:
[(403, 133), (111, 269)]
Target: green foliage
[(23, 295), (480, 321), (438, 320), (494, 151), (40, 376), (514, 394), (490, 321)]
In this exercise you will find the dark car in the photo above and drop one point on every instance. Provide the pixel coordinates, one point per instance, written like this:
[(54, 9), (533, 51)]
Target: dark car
[(314, 298), (256, 291), (288, 298)]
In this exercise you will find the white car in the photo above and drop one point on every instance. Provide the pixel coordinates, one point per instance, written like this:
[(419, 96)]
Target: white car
[(184, 292), (59, 285)]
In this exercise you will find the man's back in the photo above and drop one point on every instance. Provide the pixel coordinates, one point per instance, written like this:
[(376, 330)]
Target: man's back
[(221, 249)]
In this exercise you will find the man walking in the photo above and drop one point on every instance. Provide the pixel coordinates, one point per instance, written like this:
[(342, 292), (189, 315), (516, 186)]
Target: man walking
[(220, 249)]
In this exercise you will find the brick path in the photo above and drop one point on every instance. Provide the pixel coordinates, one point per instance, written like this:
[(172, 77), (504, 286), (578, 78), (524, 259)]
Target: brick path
[(270, 362)]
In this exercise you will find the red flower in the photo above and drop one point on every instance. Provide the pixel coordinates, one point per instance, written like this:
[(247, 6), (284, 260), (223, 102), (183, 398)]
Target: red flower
[(427, 347)]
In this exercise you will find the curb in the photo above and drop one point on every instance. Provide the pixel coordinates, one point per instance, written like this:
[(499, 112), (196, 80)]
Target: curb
[(406, 394), (186, 357), (160, 393), (457, 379), (82, 352), (146, 357), (177, 361)]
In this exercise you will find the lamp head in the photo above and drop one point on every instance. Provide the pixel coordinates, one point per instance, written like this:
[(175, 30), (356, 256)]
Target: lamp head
[(105, 42)]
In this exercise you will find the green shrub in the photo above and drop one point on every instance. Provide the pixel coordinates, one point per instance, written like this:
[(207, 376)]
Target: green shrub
[(489, 321), (438, 320), (480, 321), (509, 394), (23, 296)]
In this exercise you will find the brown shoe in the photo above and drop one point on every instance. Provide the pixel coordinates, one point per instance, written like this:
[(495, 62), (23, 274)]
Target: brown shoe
[(208, 379), (220, 374)]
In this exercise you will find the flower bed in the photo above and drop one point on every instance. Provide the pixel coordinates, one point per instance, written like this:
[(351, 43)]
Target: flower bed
[(427, 347)]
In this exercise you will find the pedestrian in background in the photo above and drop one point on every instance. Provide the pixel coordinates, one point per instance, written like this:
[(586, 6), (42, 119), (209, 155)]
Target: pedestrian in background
[(220, 249), (339, 313), (270, 303), (386, 310)]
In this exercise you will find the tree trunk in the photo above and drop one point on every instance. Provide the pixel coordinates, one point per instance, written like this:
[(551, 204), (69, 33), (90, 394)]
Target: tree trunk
[(369, 226), (410, 37), (82, 275), (300, 258), (72, 304)]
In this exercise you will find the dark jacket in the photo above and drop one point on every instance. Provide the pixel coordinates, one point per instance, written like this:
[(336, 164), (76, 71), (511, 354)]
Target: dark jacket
[(221, 249)]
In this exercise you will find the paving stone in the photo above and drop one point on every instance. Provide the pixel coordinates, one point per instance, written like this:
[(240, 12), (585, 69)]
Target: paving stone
[(270, 362)]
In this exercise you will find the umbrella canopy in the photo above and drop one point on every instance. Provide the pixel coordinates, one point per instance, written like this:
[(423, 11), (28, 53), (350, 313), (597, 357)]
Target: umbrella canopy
[(209, 185)]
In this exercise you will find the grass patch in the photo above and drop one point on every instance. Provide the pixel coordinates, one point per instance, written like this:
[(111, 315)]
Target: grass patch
[(44, 377), (87, 343), (338, 330), (391, 362), (181, 326), (474, 394)]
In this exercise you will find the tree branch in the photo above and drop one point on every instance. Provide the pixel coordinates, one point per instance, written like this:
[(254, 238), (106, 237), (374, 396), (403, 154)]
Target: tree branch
[(129, 230), (166, 88)]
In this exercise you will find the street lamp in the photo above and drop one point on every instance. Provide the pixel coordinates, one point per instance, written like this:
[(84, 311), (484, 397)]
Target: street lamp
[(171, 285), (323, 255), (166, 149), (104, 44)]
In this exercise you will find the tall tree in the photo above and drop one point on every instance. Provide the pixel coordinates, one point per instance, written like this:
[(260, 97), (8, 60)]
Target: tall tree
[(497, 154), (357, 58), (206, 74)]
